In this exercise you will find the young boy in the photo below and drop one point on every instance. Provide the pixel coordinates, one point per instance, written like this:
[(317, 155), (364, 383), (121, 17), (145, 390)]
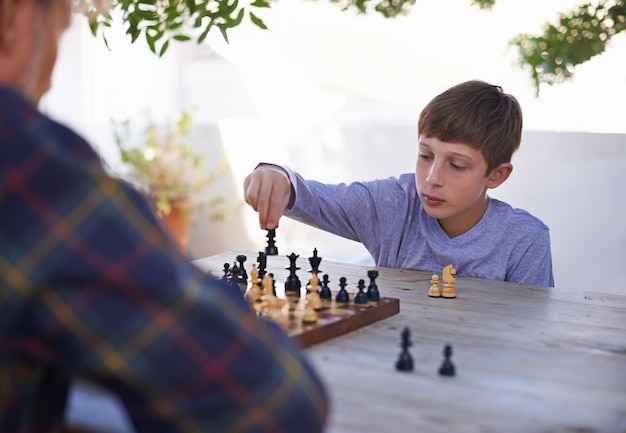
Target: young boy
[(441, 214)]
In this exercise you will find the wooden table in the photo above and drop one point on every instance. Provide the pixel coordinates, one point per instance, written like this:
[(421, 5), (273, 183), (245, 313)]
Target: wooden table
[(528, 359)]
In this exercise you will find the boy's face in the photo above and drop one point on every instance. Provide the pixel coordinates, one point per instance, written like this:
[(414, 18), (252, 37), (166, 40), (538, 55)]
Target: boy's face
[(452, 185)]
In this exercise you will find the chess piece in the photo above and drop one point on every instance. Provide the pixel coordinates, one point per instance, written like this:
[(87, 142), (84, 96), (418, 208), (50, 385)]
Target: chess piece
[(227, 275), (448, 282), (271, 249), (405, 361), (434, 291), (234, 272), (325, 292), (228, 278), (315, 262), (271, 307), (242, 275), (447, 367), (313, 284), (342, 297), (262, 262), (313, 297), (292, 283), (373, 295), (254, 276), (268, 286), (310, 316), (361, 297), (253, 293), (273, 283)]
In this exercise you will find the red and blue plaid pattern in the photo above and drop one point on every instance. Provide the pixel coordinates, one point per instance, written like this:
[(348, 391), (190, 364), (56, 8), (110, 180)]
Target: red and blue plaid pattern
[(90, 285)]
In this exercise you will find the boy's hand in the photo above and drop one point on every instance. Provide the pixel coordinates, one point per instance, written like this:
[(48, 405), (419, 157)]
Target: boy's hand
[(267, 189)]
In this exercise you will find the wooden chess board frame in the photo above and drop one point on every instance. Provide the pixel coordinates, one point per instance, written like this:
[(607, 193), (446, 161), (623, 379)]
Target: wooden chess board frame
[(335, 319)]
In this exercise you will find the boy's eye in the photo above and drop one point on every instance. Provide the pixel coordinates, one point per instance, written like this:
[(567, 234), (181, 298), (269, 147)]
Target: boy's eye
[(457, 166), (425, 156)]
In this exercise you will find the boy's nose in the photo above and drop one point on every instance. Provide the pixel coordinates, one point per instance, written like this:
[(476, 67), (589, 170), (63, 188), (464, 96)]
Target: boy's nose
[(434, 177)]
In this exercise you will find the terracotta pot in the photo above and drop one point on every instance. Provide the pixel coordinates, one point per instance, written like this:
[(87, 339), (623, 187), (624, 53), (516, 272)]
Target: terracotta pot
[(177, 222)]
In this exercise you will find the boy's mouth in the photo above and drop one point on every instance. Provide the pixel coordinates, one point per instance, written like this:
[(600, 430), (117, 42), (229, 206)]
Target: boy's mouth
[(432, 200)]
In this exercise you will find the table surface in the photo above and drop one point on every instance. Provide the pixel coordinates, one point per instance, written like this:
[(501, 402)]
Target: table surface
[(528, 359)]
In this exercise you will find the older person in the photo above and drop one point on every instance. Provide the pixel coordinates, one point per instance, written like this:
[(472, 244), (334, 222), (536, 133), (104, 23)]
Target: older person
[(92, 287)]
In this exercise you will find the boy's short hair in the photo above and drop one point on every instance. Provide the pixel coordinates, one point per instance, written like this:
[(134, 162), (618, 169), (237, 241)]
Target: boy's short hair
[(478, 114)]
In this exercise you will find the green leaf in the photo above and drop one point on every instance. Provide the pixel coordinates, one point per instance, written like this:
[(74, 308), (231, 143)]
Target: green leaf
[(106, 41), (181, 38), (223, 31), (204, 34), (164, 48), (237, 21), (191, 5), (257, 21), (227, 9), (150, 40), (93, 26), (260, 4)]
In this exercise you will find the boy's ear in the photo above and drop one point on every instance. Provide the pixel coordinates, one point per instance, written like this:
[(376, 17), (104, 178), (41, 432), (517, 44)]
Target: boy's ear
[(499, 174)]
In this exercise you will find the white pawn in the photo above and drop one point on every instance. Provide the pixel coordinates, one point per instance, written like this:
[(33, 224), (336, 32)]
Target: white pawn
[(313, 296), (253, 293)]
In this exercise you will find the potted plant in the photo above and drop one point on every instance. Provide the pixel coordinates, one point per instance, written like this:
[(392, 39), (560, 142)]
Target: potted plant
[(160, 163)]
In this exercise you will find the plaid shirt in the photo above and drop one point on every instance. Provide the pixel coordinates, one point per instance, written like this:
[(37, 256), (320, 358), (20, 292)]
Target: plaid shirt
[(90, 286)]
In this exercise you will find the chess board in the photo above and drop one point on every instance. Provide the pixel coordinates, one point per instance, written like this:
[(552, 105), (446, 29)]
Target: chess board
[(335, 319)]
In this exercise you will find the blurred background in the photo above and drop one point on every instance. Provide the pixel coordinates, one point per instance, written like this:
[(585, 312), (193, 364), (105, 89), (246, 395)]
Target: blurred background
[(336, 96)]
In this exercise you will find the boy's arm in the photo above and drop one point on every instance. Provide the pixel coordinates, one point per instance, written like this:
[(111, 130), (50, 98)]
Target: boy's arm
[(360, 211), (94, 288)]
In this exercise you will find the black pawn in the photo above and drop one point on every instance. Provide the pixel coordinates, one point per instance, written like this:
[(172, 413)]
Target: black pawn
[(324, 291), (292, 283), (447, 367), (361, 297), (373, 294), (242, 275), (271, 249), (342, 297), (227, 275), (405, 361)]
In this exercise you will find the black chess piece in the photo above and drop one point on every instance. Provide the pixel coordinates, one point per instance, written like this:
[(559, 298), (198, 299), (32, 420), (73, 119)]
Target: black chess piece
[(373, 295), (292, 283), (229, 280), (227, 273), (273, 283), (405, 361), (324, 291), (262, 264), (315, 262), (342, 297), (361, 297), (447, 367), (271, 249), (242, 275), (234, 272)]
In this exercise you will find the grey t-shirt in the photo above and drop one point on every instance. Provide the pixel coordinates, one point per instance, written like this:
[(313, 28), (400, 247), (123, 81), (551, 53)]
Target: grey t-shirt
[(387, 217)]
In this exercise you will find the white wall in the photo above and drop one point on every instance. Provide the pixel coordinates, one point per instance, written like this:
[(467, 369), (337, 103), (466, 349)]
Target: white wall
[(576, 183)]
